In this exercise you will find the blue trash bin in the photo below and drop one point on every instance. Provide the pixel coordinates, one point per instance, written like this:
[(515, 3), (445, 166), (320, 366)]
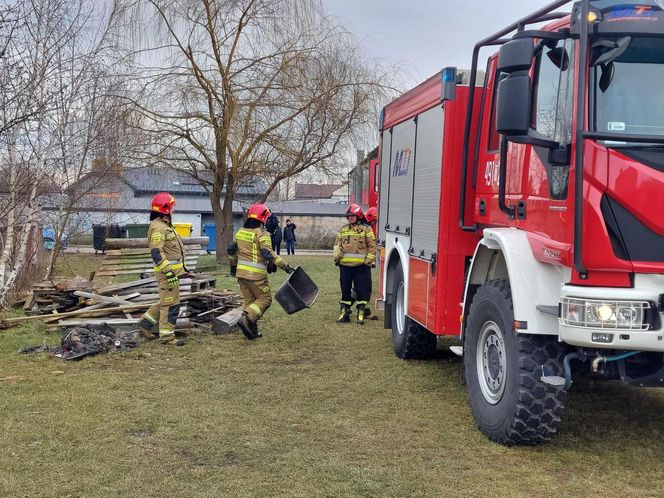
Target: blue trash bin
[(210, 231)]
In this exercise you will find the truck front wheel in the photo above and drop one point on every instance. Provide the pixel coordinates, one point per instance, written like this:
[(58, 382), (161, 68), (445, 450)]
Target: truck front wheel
[(411, 340), (509, 402)]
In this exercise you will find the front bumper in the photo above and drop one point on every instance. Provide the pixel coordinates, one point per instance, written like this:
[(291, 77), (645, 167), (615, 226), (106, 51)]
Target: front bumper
[(646, 288)]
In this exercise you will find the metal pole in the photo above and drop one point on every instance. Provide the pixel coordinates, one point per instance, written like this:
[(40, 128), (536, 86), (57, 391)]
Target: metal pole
[(580, 125)]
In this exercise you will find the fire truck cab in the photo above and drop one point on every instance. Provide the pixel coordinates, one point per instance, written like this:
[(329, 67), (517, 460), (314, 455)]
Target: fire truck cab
[(524, 214)]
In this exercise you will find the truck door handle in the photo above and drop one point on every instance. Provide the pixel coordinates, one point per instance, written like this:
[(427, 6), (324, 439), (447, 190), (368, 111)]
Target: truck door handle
[(502, 178)]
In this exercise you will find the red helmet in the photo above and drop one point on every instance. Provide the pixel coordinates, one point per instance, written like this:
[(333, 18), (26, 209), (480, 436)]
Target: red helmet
[(371, 215), (259, 212), (163, 203), (354, 210)]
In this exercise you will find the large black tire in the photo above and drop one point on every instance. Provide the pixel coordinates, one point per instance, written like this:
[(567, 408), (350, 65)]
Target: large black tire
[(510, 404), (411, 340)]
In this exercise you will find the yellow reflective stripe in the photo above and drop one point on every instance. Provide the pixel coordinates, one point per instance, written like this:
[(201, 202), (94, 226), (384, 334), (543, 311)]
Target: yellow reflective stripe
[(352, 260), (266, 238), (278, 260), (370, 235), (349, 234), (256, 309), (245, 236), (251, 269), (360, 302), (371, 256), (346, 302), (177, 266), (164, 332), (149, 317), (164, 263), (252, 264)]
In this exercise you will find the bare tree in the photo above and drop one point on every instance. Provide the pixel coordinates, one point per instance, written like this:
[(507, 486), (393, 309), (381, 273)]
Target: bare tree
[(250, 90), (55, 61)]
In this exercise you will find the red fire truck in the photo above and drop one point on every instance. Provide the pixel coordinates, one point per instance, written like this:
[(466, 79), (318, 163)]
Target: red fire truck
[(363, 181), (525, 216)]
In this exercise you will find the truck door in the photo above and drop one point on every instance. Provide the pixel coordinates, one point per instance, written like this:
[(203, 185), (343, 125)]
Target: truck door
[(536, 181), (544, 188)]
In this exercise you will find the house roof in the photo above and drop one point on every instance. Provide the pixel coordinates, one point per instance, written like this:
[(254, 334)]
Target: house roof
[(315, 190), (153, 179)]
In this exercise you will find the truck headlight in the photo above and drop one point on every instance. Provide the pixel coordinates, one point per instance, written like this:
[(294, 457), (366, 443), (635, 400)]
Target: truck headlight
[(594, 313)]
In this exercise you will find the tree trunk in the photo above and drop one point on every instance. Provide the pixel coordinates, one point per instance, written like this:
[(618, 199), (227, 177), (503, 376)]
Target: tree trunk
[(227, 235), (218, 213)]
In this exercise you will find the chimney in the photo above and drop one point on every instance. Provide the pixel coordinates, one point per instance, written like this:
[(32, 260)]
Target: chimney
[(360, 156)]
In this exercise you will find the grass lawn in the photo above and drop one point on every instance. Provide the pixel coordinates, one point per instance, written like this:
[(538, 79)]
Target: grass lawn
[(312, 409)]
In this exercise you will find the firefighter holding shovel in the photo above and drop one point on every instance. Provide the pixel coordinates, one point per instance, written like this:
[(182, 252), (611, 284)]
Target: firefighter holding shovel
[(251, 259)]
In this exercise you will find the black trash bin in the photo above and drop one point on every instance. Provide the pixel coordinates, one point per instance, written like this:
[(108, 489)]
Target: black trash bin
[(297, 292), (102, 232)]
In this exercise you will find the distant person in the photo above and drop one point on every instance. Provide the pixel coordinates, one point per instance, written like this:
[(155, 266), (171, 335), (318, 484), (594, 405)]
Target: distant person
[(289, 236), (272, 226), (371, 219), (354, 253)]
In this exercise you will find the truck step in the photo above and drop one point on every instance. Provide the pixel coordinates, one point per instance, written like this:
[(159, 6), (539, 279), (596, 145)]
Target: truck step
[(553, 380), (549, 310), (457, 350)]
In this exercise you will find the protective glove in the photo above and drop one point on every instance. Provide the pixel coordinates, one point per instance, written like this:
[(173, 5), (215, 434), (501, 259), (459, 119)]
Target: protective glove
[(289, 269), (271, 267), (171, 278), (233, 270), (337, 263)]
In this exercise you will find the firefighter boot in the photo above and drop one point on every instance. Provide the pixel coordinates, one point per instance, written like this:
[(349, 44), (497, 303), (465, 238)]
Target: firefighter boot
[(171, 340), (249, 329), (146, 329), (345, 313), (361, 313)]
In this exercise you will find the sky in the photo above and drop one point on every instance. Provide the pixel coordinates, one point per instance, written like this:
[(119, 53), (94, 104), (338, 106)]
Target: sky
[(423, 36)]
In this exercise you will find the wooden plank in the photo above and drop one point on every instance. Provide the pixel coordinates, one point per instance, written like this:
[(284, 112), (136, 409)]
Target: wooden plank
[(137, 271), (139, 243), (226, 323), (110, 289), (117, 322), (145, 254), (148, 265), (145, 250), (97, 312), (140, 283), (103, 299), (30, 301)]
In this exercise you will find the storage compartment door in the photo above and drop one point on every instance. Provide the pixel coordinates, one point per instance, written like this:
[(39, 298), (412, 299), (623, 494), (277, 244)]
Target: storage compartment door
[(426, 203), (385, 152), (400, 171)]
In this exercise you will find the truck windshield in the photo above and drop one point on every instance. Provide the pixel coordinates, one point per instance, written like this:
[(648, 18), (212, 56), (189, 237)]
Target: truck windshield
[(627, 87)]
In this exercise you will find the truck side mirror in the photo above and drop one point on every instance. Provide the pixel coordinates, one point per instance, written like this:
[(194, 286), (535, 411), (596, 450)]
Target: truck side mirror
[(516, 55), (513, 115), (513, 110)]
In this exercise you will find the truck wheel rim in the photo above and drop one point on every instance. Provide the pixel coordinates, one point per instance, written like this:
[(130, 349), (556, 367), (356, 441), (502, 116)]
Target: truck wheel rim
[(400, 309), (491, 363)]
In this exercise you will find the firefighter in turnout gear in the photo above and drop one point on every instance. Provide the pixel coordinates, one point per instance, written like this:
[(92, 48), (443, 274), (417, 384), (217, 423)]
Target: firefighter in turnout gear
[(167, 253), (355, 254), (251, 259)]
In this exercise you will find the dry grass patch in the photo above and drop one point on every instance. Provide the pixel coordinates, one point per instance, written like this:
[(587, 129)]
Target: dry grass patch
[(312, 409)]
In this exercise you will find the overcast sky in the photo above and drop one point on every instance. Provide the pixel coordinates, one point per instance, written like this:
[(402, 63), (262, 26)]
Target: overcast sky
[(422, 36)]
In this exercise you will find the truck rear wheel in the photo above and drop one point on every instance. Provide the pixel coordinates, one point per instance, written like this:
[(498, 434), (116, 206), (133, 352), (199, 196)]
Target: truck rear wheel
[(411, 340), (509, 402)]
